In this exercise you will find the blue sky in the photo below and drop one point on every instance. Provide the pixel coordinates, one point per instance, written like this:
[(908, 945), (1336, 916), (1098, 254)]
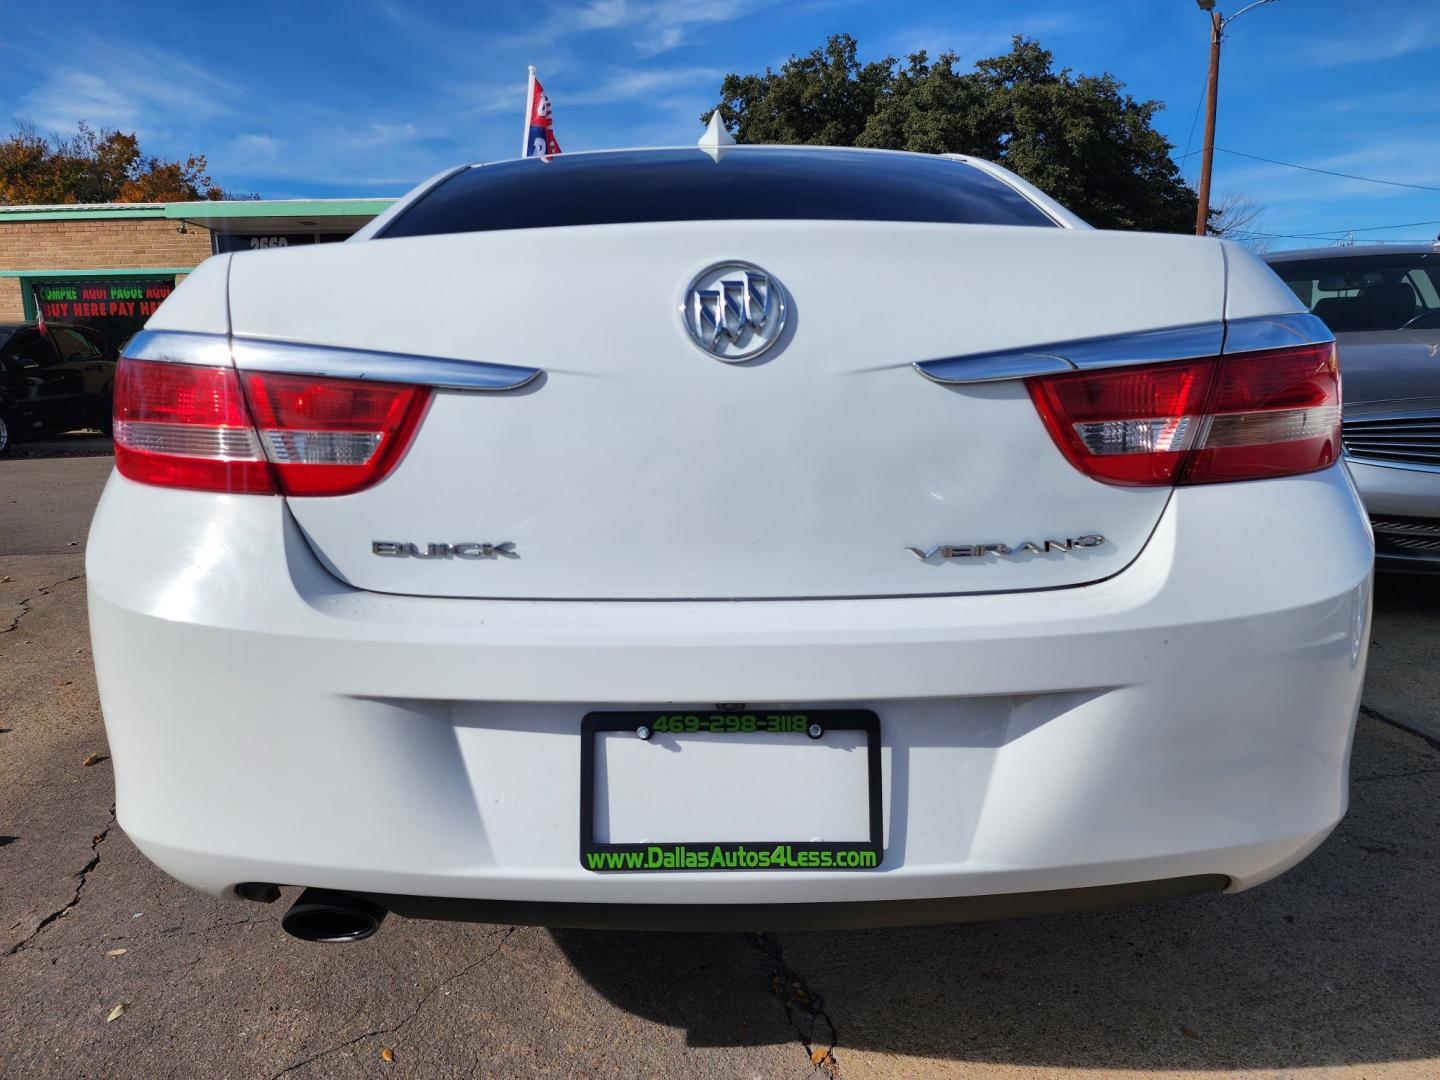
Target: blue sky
[(370, 96)]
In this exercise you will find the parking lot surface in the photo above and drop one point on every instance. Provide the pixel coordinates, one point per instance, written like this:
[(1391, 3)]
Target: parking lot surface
[(109, 968)]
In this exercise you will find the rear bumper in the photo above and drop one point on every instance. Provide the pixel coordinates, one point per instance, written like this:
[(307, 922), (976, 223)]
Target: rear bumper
[(1189, 717)]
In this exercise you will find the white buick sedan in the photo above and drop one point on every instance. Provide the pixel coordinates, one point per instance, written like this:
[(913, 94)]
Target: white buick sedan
[(745, 537)]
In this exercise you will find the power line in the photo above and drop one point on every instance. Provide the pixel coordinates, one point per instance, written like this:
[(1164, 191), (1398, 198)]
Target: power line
[(1325, 235), (1330, 234), (1381, 228), (1194, 119), (1308, 168), (1246, 234), (1328, 172)]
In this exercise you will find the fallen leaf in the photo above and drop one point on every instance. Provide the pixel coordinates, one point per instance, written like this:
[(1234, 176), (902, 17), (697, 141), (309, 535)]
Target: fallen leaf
[(387, 1054), (91, 759), (819, 1054), (1188, 1033), (115, 952), (116, 1012)]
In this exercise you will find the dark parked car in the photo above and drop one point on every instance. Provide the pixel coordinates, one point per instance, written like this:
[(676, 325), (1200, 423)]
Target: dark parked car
[(56, 380), (1382, 302)]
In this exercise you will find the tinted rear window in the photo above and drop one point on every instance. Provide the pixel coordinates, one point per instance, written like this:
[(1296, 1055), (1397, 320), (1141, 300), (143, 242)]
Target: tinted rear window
[(689, 185)]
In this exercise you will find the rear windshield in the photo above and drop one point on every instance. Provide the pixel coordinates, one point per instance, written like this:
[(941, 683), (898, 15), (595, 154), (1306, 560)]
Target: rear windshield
[(1368, 292), (691, 185)]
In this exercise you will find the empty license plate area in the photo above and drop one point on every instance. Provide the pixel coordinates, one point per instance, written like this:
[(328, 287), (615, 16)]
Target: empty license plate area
[(694, 790)]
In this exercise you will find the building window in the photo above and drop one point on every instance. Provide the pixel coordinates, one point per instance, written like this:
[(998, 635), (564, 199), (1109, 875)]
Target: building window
[(115, 307)]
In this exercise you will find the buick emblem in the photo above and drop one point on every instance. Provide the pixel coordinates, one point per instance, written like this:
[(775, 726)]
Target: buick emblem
[(734, 311)]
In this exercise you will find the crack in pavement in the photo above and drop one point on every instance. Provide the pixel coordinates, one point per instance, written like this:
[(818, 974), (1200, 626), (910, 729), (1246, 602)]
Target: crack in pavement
[(25, 604), (801, 1002), (83, 875), (146, 939), (1430, 740), (424, 998)]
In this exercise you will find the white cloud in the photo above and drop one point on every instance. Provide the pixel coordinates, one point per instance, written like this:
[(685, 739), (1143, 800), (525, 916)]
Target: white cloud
[(1416, 33), (660, 84), (654, 26), (140, 88), (320, 145), (262, 147), (380, 135), (1390, 103), (972, 39)]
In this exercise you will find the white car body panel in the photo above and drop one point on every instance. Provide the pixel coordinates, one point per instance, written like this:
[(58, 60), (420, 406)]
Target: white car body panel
[(284, 706), (806, 474), (1252, 290), (1192, 715), (202, 305)]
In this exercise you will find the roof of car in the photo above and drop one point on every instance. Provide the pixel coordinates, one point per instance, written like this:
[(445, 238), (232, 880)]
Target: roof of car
[(1352, 252), (731, 148), (8, 327)]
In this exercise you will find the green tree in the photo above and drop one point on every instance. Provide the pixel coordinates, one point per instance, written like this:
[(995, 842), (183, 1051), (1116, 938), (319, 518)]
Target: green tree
[(1079, 138), (95, 167)]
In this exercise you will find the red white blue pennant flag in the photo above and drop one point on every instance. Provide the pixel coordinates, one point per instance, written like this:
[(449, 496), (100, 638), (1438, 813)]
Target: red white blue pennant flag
[(539, 125)]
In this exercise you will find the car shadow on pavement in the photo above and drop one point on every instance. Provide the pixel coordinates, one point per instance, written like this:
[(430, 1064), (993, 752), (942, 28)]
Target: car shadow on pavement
[(1330, 964), (1407, 594)]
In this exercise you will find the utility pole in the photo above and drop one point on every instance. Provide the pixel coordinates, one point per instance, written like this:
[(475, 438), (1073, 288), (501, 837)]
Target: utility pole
[(1212, 97), (1218, 23)]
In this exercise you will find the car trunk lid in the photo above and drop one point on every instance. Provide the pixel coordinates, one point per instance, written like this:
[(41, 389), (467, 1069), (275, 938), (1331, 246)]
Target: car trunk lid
[(638, 467)]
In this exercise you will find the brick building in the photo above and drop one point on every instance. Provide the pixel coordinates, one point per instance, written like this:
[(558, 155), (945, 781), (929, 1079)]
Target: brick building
[(109, 265)]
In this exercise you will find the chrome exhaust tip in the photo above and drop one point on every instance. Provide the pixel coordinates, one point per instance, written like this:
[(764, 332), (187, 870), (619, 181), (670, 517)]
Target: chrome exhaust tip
[(332, 917)]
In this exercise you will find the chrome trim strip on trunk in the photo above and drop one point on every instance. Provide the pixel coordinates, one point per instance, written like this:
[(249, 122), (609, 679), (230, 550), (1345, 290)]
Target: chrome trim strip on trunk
[(1123, 350), (1118, 350), (255, 354), (1275, 332), (293, 358), (179, 347)]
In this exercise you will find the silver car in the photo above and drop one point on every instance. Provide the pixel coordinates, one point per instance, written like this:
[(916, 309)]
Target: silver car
[(1382, 302)]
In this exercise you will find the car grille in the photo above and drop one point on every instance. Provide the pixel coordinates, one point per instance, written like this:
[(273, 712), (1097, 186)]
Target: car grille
[(1407, 536), (1408, 438)]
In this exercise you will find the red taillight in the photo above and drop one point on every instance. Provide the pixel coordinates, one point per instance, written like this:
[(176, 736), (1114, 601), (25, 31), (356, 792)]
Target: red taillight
[(1241, 417), (1128, 426), (180, 425), (332, 436), (1275, 413)]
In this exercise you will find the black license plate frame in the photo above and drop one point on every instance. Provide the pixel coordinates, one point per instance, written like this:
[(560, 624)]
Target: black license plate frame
[(722, 855)]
